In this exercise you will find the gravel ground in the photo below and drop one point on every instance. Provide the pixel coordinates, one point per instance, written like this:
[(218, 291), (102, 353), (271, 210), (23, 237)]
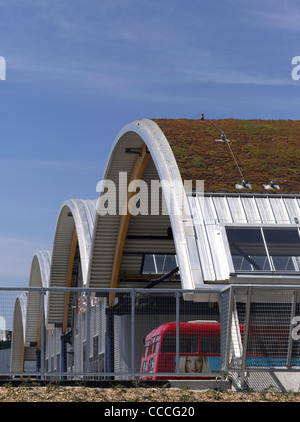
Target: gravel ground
[(56, 393)]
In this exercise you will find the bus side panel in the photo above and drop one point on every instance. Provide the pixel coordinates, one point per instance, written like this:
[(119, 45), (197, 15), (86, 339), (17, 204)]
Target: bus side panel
[(214, 363), (165, 362)]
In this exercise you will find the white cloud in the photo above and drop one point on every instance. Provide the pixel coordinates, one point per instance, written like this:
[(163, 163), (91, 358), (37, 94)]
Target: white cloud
[(272, 13), (287, 21), (15, 258), (235, 77), (126, 51)]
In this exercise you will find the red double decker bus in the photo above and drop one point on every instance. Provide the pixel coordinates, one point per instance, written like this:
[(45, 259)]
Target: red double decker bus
[(199, 350)]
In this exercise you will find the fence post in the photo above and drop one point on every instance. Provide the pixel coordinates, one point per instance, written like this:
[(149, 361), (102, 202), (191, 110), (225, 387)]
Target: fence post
[(290, 346), (109, 342), (132, 293), (245, 339), (177, 333), (63, 355), (229, 325), (42, 366), (88, 332)]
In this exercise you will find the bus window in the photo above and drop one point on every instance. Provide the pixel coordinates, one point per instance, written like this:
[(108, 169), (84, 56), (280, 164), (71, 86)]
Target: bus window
[(156, 347), (210, 344), (146, 348), (151, 364), (187, 344)]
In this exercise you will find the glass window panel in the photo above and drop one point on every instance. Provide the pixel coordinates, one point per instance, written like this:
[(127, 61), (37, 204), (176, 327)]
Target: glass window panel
[(284, 247), (284, 263), (187, 344), (148, 266), (262, 262), (159, 263), (146, 349), (160, 260), (170, 263), (247, 249), (249, 253), (241, 263), (157, 345), (210, 345), (151, 364)]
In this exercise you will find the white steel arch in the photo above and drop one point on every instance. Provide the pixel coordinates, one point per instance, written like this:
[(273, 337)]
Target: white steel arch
[(74, 229), (39, 277), (137, 135)]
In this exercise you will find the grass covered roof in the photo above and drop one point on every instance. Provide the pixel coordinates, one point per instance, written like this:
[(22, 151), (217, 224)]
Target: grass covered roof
[(264, 150)]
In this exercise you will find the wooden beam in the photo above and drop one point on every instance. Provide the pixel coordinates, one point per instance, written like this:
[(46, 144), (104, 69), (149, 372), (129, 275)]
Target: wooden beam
[(69, 278), (136, 175)]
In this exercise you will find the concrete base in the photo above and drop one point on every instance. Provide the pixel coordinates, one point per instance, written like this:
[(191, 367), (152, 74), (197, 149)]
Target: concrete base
[(277, 382), (201, 384)]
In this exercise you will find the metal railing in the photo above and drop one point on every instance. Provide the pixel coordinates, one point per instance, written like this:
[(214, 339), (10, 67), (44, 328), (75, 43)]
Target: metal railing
[(99, 341), (82, 337), (260, 331)]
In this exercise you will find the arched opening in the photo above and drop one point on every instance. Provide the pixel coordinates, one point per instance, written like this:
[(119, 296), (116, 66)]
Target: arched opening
[(140, 241), (39, 277), (18, 334), (70, 257), (142, 154)]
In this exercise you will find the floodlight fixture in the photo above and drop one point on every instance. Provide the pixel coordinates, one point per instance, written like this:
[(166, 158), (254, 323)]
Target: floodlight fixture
[(223, 138)]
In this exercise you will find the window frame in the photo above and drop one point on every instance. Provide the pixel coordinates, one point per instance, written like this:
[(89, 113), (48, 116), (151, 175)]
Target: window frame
[(261, 226), (154, 257)]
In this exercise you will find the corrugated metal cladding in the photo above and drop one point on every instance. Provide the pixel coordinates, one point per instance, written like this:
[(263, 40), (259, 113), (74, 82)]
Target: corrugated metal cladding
[(146, 234), (134, 136), (18, 334), (107, 226), (39, 277), (141, 229), (210, 212), (53, 348), (97, 336)]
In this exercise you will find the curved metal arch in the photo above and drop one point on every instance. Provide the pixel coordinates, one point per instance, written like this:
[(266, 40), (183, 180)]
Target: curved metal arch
[(74, 227), (134, 136), (18, 334), (84, 214), (39, 277)]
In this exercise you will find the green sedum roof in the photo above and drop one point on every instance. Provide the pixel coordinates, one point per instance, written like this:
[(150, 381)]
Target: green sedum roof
[(265, 150)]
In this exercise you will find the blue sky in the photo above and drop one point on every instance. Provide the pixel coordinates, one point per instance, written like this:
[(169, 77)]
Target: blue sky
[(77, 71)]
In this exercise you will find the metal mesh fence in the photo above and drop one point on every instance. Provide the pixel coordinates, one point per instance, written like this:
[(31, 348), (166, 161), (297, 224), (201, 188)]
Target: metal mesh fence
[(147, 334), (182, 339), (7, 305), (264, 329)]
